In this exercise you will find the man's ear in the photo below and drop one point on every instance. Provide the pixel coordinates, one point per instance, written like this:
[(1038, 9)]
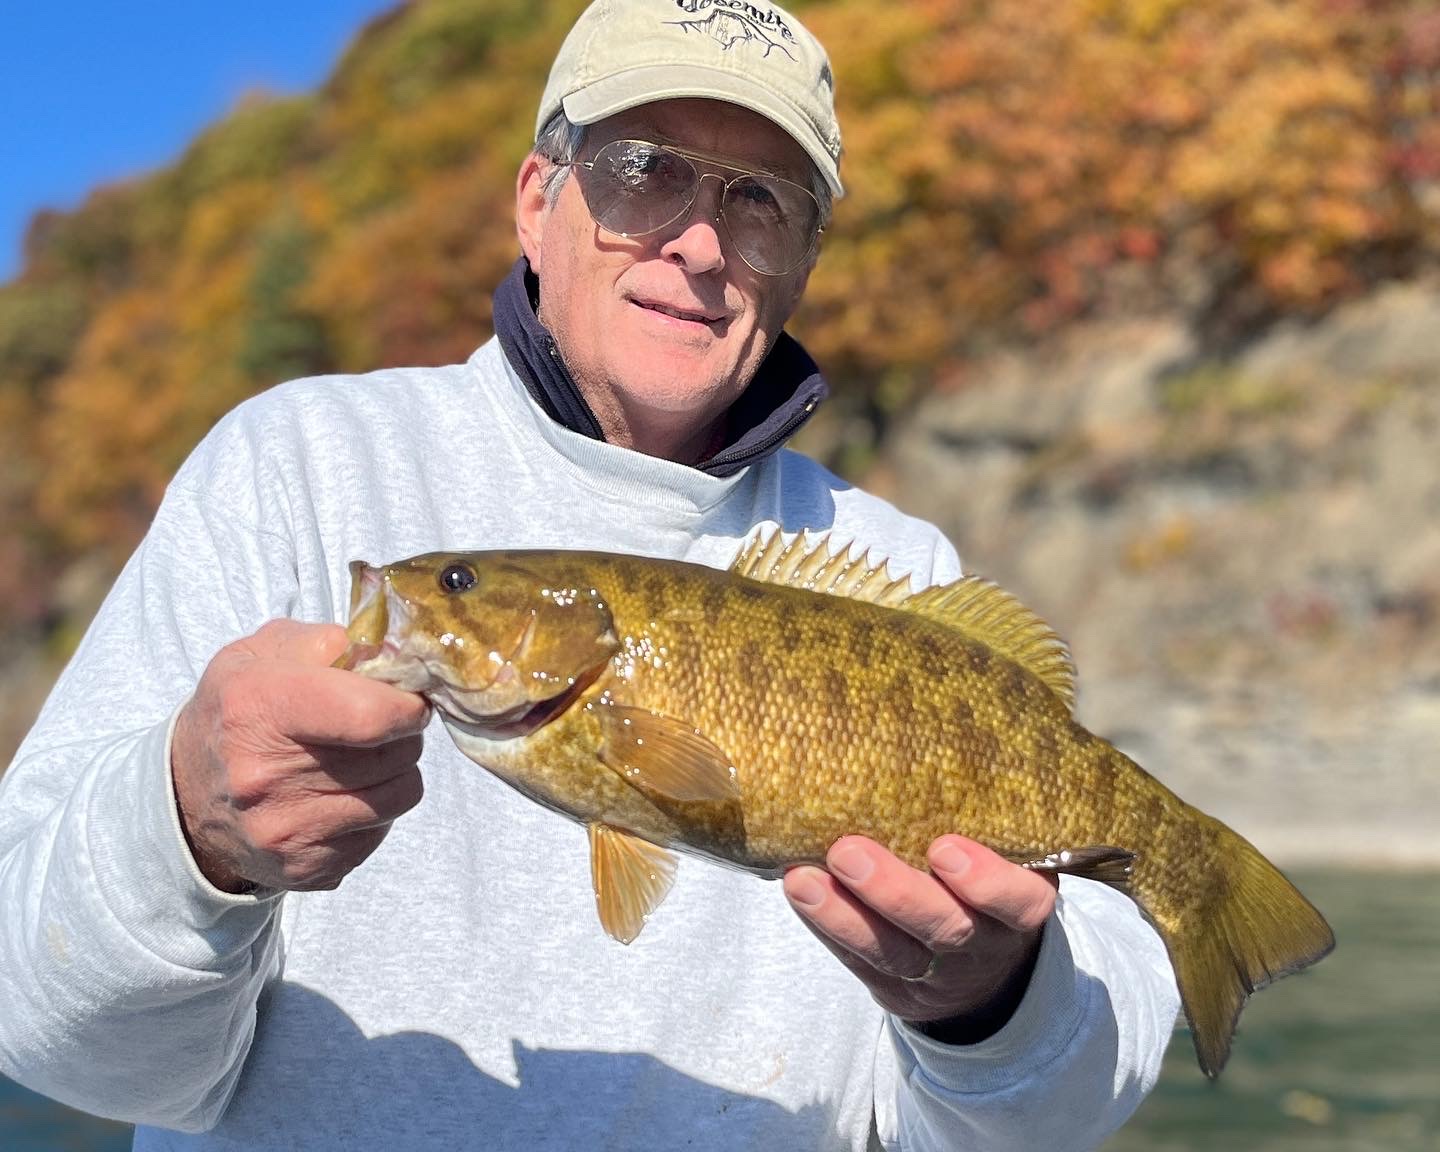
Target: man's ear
[(531, 208)]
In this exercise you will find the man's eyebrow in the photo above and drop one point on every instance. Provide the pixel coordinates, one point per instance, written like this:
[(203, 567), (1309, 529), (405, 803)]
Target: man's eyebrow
[(734, 162)]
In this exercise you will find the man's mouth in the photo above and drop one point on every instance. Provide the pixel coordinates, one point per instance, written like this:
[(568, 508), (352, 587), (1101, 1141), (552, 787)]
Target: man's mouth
[(678, 313)]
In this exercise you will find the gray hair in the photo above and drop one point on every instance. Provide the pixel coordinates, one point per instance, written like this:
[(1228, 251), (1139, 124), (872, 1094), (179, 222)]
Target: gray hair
[(561, 141)]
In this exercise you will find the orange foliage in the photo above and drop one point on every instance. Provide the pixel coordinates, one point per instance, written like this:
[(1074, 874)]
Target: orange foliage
[(1012, 164), (1018, 163)]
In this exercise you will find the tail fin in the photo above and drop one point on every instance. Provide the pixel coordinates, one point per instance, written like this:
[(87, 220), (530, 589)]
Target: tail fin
[(1251, 928)]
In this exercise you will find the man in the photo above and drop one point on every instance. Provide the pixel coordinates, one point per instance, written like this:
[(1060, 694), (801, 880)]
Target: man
[(178, 948)]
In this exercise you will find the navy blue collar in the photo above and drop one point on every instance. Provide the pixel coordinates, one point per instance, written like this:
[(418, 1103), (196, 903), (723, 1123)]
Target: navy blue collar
[(786, 389)]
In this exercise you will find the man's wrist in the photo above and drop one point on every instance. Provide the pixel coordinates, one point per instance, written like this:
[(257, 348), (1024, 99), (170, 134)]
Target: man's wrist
[(188, 796), (984, 1021)]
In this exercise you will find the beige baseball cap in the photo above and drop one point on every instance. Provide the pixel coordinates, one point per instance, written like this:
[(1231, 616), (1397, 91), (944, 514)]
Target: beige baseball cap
[(623, 53)]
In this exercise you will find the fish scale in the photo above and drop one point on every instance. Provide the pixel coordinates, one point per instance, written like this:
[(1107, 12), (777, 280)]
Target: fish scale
[(728, 714)]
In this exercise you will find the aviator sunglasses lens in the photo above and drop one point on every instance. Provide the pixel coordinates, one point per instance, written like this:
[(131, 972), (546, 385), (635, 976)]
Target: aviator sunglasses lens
[(771, 222), (633, 188)]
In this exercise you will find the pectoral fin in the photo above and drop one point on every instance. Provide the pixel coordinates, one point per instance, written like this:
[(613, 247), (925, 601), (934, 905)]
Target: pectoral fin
[(631, 877), (664, 758), (1102, 862)]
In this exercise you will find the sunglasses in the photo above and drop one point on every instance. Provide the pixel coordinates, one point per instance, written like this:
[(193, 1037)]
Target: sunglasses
[(634, 188)]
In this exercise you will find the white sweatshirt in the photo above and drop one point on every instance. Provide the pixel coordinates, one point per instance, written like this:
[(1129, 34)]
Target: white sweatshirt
[(457, 990)]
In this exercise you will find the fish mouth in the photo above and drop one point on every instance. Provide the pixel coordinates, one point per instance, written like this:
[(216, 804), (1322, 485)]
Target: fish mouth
[(369, 618), (377, 614)]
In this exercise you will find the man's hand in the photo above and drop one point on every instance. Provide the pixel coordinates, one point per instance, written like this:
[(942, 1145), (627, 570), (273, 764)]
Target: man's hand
[(950, 949), (288, 772)]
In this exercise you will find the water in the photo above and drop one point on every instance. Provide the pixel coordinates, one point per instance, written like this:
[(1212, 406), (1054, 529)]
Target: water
[(1344, 1058), (31, 1123)]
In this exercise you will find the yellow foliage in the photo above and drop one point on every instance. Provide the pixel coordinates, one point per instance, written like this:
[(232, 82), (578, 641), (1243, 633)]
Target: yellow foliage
[(1012, 164), (106, 414), (1138, 18)]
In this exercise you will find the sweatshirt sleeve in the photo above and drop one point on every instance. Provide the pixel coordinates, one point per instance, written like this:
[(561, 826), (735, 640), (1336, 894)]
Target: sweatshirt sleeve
[(128, 982), (1082, 1051)]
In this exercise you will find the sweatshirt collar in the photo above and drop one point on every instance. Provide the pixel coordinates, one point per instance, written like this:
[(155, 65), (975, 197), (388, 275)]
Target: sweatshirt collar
[(786, 389)]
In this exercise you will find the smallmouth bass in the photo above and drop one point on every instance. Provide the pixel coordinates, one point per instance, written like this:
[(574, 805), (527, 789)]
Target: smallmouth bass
[(754, 716)]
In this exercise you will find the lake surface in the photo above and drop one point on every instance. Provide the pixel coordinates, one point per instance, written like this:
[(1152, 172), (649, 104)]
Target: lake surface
[(30, 1123), (1343, 1058)]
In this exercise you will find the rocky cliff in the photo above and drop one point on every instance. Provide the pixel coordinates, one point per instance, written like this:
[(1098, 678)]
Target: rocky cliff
[(1243, 551)]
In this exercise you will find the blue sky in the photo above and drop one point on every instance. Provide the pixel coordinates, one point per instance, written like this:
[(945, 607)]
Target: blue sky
[(92, 92)]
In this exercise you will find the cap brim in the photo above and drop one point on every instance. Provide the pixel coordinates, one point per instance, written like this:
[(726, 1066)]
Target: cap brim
[(639, 86)]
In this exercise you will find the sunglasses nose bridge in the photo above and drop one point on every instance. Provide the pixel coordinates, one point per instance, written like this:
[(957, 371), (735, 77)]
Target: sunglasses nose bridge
[(717, 217), (715, 213), (695, 192)]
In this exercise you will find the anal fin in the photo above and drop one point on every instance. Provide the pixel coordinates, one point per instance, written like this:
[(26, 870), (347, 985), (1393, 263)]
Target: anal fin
[(631, 877), (1102, 862)]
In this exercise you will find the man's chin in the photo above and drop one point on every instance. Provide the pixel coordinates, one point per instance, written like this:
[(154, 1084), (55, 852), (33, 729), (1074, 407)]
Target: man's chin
[(680, 391)]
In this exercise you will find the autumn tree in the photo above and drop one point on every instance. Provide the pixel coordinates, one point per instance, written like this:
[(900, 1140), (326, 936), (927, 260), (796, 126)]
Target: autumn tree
[(1012, 165)]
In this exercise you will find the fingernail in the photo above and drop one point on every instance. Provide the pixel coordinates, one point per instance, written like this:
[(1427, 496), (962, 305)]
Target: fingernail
[(851, 863), (804, 889), (950, 857)]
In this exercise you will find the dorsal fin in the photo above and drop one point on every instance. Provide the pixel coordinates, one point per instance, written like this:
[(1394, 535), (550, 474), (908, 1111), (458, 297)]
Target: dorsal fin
[(979, 608), (801, 564), (986, 612)]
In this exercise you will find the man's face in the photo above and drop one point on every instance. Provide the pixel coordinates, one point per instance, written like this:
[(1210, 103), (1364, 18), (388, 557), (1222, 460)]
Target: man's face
[(657, 381)]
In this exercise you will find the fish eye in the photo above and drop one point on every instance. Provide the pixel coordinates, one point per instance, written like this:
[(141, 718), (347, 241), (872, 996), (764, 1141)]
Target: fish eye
[(457, 578)]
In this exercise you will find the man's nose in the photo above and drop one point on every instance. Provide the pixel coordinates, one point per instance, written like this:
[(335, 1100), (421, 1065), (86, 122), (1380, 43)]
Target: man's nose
[(695, 240)]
